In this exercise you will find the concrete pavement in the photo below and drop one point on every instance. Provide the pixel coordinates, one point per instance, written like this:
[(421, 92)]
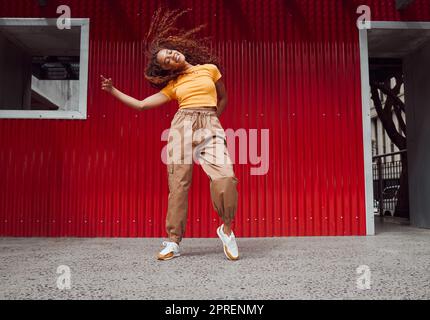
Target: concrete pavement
[(398, 258)]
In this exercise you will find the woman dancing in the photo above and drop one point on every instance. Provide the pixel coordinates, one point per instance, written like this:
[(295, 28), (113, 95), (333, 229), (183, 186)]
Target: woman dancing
[(184, 69)]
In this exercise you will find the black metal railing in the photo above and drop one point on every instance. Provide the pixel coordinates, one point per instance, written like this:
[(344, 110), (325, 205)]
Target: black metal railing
[(386, 182)]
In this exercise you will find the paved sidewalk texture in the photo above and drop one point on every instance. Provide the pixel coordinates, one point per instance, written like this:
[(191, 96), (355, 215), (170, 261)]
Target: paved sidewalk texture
[(398, 258)]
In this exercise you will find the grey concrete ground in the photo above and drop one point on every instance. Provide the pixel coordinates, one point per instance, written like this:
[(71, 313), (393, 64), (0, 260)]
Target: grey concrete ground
[(271, 268)]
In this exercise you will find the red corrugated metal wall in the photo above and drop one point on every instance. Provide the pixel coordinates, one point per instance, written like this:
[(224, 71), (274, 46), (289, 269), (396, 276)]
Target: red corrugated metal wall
[(289, 66)]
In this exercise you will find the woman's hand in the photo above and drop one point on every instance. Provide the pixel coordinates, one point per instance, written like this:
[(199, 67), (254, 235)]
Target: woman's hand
[(151, 102), (107, 84)]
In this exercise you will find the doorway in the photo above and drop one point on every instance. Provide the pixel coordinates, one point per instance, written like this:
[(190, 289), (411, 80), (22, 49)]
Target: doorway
[(395, 73)]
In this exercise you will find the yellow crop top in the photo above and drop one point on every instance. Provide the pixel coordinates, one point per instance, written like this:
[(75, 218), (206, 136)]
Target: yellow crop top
[(196, 88)]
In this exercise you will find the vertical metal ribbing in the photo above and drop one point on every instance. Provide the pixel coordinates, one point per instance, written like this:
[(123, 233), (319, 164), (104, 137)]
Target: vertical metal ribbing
[(292, 68)]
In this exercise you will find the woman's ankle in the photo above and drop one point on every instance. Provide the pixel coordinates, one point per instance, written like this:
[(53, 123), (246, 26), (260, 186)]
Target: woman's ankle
[(227, 230)]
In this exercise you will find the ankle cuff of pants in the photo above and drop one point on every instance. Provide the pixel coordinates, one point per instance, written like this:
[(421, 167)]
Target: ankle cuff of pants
[(175, 239), (224, 197)]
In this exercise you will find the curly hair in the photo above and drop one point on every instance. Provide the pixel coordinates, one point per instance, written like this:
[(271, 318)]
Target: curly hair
[(163, 34)]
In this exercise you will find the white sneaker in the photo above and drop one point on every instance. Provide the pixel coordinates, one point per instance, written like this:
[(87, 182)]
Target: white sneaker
[(230, 246), (170, 251)]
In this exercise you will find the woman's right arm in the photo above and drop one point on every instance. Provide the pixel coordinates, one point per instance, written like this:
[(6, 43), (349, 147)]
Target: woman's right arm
[(150, 102)]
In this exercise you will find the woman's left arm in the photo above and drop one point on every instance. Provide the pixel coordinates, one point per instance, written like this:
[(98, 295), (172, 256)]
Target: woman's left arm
[(222, 96)]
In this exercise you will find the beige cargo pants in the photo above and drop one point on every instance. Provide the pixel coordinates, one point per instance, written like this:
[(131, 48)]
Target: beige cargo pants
[(197, 135)]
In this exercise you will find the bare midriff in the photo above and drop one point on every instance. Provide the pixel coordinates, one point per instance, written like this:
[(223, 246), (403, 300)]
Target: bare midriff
[(200, 107)]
